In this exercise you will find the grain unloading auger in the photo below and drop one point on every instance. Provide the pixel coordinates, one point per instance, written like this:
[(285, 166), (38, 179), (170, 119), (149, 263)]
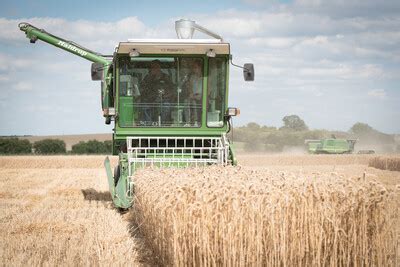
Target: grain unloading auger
[(168, 99)]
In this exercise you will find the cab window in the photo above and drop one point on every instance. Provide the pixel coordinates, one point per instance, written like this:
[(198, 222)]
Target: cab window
[(216, 92), (160, 92)]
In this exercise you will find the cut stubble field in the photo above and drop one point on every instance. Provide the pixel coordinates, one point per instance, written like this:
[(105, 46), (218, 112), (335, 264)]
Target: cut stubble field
[(57, 211)]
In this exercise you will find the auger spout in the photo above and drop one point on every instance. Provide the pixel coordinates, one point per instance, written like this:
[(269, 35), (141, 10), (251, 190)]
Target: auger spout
[(33, 34)]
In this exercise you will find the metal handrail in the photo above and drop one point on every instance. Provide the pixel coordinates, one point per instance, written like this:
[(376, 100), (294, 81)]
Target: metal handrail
[(157, 151)]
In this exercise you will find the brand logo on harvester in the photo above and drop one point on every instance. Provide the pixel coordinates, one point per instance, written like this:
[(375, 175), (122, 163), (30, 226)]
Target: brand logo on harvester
[(72, 48)]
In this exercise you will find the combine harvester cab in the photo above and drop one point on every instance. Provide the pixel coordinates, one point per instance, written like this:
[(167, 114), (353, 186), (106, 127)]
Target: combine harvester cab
[(331, 146), (168, 99)]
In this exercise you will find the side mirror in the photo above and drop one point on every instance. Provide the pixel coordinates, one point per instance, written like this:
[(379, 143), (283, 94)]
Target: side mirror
[(97, 71), (248, 72)]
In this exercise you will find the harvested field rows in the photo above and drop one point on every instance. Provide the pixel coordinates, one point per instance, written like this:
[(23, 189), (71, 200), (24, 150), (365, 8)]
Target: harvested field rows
[(236, 217), (59, 216), (54, 162)]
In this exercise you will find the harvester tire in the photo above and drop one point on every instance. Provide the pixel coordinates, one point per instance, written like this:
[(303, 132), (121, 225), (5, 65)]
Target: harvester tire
[(122, 210), (117, 173)]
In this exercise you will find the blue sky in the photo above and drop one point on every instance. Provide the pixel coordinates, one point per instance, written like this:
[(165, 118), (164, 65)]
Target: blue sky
[(150, 11), (333, 63)]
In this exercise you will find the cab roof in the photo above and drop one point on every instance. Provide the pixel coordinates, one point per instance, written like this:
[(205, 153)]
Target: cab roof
[(173, 46)]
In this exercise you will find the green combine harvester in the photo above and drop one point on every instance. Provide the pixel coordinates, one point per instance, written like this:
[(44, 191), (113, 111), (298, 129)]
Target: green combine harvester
[(331, 146), (168, 100)]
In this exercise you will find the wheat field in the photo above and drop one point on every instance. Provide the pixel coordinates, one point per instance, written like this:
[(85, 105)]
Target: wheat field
[(385, 163), (273, 209), (234, 217)]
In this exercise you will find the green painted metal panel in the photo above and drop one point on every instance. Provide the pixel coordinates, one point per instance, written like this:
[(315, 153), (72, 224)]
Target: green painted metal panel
[(335, 146), (232, 154), (313, 146), (126, 111), (203, 131), (119, 191), (330, 146), (33, 33), (110, 178), (123, 195)]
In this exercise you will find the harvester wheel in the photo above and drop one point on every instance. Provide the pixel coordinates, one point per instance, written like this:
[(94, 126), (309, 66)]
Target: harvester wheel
[(117, 173), (122, 210)]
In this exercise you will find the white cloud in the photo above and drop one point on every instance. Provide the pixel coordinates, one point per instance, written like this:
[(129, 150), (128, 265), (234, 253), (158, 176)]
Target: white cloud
[(377, 93), (272, 42), (4, 78), (229, 25), (317, 40), (372, 71), (12, 63), (38, 108), (342, 71), (23, 86), (260, 2), (348, 8)]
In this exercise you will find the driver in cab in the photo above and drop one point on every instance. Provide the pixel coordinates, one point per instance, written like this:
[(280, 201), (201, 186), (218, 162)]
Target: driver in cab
[(156, 92)]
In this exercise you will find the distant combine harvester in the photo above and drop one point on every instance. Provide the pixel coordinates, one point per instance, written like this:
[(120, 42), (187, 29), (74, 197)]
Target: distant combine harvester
[(330, 146)]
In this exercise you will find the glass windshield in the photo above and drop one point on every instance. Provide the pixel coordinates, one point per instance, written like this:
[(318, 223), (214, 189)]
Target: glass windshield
[(160, 92), (216, 92)]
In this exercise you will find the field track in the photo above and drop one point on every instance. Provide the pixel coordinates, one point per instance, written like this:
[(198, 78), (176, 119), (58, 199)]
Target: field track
[(57, 210)]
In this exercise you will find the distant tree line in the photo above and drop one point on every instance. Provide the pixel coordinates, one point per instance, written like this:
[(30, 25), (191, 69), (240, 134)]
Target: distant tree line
[(92, 147), (254, 137), (49, 147), (294, 132), (15, 146)]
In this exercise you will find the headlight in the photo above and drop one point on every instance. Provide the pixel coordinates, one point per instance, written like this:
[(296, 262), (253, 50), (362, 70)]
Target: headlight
[(233, 112)]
